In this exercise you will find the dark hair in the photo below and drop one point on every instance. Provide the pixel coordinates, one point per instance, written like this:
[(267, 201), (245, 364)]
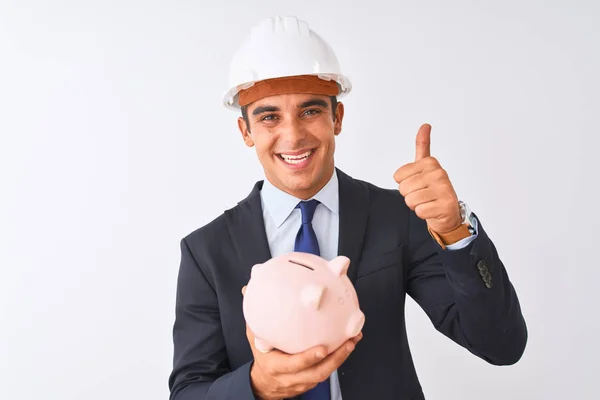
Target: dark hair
[(245, 111)]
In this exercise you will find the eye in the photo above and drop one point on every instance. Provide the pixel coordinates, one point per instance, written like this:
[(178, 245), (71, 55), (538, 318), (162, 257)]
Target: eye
[(269, 117), (312, 111)]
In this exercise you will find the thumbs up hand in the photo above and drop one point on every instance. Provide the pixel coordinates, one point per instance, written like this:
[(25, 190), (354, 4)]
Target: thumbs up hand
[(427, 189)]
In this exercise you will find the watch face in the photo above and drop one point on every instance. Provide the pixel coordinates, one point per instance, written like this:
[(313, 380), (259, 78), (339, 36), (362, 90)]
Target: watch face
[(465, 213), (463, 210), (466, 217)]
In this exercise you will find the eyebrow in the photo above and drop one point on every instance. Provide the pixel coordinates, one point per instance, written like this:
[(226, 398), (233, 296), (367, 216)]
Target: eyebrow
[(314, 102), (306, 104), (264, 109)]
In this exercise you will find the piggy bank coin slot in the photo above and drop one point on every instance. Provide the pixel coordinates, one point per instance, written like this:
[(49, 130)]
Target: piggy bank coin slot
[(300, 264)]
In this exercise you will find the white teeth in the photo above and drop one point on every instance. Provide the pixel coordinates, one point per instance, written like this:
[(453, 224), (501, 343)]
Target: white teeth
[(296, 159)]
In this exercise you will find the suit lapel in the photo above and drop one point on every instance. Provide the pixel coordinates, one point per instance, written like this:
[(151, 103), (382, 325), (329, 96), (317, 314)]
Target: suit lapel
[(354, 206), (247, 230), (354, 212)]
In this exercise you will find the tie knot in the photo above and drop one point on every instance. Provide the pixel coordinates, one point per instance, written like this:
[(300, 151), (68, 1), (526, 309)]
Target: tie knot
[(308, 210)]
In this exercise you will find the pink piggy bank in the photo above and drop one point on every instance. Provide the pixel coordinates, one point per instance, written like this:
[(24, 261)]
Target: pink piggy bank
[(298, 300)]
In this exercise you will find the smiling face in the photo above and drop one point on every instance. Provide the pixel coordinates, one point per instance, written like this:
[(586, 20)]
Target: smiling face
[(294, 136)]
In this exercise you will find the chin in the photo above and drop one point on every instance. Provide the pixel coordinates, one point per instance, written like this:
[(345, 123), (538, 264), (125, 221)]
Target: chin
[(302, 178), (303, 182)]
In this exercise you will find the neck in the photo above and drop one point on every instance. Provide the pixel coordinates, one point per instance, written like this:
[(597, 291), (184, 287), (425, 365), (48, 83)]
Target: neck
[(305, 194)]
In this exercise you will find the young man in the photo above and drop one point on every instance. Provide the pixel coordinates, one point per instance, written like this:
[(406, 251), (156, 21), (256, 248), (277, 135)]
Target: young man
[(419, 240)]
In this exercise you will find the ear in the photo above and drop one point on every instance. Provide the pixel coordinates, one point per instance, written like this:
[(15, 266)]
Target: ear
[(311, 295), (339, 265), (339, 116), (245, 131)]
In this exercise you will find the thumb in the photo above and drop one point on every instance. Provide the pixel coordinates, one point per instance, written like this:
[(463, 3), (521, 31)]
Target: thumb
[(423, 142)]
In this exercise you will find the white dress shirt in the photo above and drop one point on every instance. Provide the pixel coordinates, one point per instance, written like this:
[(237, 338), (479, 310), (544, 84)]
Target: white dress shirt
[(283, 220)]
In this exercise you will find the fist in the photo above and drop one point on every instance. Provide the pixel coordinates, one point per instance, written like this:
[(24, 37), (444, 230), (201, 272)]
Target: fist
[(427, 189)]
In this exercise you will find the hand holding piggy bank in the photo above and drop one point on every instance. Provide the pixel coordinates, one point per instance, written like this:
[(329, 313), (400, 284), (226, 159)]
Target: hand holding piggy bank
[(298, 300)]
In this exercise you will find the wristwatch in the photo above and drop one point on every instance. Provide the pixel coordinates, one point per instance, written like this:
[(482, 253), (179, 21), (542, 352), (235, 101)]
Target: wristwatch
[(467, 216)]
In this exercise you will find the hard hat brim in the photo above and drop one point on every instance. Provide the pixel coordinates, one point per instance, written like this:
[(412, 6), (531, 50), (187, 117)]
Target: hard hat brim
[(232, 97)]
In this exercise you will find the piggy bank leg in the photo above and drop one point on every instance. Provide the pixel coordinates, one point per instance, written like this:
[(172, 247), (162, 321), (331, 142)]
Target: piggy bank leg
[(355, 324), (262, 346)]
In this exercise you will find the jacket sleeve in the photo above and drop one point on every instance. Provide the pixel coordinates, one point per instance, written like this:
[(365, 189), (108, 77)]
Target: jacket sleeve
[(200, 365), (467, 294)]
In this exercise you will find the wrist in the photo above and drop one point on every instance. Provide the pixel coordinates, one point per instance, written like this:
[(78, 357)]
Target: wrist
[(461, 229), (455, 235)]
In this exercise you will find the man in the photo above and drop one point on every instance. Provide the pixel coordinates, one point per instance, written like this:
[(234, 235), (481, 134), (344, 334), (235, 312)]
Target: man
[(418, 240)]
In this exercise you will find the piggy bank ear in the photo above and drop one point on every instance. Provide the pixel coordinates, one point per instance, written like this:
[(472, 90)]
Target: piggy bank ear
[(311, 295), (339, 265), (254, 270)]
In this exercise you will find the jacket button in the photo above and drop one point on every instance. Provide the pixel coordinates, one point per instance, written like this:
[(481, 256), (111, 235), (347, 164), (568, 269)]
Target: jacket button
[(485, 273), (487, 278), (481, 265)]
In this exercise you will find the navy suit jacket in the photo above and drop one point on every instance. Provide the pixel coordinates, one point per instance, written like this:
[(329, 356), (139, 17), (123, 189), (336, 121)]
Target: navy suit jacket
[(392, 255)]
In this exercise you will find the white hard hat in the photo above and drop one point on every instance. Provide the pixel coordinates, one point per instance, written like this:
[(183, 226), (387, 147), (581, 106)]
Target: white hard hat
[(282, 47)]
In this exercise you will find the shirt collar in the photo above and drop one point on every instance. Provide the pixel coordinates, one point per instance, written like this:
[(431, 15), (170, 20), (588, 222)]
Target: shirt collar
[(280, 204)]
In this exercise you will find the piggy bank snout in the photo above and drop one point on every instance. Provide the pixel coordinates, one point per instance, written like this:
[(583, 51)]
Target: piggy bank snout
[(355, 324)]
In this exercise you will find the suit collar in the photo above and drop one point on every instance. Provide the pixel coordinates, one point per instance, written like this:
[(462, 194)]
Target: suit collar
[(280, 204), (246, 224)]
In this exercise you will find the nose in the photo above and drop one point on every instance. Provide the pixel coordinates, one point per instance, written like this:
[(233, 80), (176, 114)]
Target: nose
[(292, 130)]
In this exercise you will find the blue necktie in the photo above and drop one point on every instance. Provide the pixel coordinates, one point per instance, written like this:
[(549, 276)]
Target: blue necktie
[(306, 239), (306, 242)]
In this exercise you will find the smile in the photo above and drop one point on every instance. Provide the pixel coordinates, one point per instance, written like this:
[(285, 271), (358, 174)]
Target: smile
[(296, 158)]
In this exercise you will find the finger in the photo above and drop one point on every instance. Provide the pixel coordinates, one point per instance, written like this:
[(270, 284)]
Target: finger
[(322, 370), (423, 142), (244, 290), (412, 184), (302, 381), (293, 363), (265, 361), (406, 171), (279, 362), (423, 196), (430, 210), (428, 164)]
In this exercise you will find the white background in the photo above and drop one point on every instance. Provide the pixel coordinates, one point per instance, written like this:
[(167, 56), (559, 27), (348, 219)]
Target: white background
[(114, 145)]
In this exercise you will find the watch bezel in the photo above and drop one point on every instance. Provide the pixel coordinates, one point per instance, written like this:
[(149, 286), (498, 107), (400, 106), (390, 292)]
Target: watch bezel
[(465, 214)]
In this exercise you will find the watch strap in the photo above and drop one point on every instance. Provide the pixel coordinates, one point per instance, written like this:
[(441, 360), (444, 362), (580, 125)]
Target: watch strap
[(451, 237)]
